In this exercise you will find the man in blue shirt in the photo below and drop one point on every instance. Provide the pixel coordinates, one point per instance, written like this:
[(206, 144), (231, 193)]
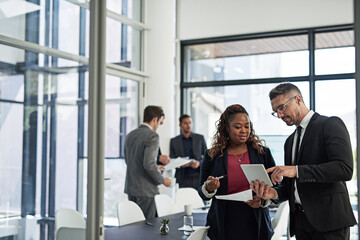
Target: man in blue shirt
[(191, 145)]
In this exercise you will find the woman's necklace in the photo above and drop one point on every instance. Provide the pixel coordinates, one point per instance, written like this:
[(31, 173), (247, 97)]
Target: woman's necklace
[(241, 155)]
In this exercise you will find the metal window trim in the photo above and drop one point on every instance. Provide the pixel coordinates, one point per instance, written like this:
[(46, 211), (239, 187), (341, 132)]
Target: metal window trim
[(96, 122), (111, 67), (17, 43), (252, 36), (116, 16), (357, 86), (126, 75)]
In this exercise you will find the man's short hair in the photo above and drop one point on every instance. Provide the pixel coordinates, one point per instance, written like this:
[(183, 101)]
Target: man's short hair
[(151, 112), (282, 89), (182, 117)]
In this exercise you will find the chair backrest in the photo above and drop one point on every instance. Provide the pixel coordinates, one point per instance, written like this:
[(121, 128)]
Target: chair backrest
[(280, 221), (129, 212), (69, 224), (199, 234), (165, 205), (186, 196)]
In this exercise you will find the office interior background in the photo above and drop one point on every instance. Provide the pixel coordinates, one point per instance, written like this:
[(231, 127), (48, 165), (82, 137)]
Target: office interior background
[(188, 56)]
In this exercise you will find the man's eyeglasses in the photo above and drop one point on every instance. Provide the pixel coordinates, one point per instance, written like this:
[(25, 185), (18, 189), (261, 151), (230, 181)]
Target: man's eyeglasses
[(281, 109)]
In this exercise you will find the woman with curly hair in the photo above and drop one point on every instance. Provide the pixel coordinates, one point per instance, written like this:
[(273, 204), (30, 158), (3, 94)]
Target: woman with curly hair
[(234, 143)]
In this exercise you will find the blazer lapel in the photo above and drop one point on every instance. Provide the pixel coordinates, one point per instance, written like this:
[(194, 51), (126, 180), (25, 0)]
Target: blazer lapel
[(195, 145), (180, 145), (307, 134), (288, 149), (225, 159), (252, 156)]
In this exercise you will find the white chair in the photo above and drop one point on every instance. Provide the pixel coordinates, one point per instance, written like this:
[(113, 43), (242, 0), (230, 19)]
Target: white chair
[(199, 234), (186, 196), (129, 212), (69, 225), (165, 205), (280, 221)]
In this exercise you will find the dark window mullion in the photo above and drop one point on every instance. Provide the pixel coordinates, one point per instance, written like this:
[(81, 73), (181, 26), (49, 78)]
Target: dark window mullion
[(311, 39)]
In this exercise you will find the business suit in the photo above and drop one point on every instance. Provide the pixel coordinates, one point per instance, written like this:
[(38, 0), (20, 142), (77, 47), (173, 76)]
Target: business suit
[(324, 163), (142, 174), (177, 150), (217, 217)]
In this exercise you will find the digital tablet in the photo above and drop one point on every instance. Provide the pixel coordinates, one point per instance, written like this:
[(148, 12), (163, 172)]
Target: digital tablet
[(256, 172)]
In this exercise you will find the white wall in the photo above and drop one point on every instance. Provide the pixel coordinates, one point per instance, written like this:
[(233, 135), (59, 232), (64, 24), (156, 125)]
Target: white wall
[(214, 18), (160, 55)]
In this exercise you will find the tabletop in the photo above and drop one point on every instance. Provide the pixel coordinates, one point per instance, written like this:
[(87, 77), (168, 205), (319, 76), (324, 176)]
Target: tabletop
[(141, 230)]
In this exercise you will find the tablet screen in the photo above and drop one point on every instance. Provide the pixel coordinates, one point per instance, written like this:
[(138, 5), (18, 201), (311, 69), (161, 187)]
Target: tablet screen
[(256, 172)]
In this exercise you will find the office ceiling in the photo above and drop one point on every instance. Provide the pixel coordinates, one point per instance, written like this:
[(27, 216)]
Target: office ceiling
[(271, 45)]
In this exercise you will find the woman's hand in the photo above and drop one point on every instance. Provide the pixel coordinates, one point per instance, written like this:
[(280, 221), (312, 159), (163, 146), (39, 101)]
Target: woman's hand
[(255, 202), (211, 184)]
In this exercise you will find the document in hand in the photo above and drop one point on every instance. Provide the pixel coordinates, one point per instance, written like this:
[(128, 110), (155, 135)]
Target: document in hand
[(176, 162), (256, 172), (240, 196)]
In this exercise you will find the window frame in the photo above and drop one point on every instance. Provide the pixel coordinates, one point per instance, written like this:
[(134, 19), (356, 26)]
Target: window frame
[(311, 78)]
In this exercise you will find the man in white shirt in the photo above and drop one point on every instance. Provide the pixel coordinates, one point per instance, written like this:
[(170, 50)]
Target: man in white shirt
[(318, 161)]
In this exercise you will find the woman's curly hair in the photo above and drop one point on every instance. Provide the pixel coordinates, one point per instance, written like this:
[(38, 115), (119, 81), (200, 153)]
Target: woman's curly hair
[(221, 138)]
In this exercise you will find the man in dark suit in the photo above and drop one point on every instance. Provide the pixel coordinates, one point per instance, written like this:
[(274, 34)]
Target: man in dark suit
[(142, 173), (188, 144), (318, 161)]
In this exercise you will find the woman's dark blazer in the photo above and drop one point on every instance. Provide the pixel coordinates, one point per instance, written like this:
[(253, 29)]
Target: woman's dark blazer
[(216, 216)]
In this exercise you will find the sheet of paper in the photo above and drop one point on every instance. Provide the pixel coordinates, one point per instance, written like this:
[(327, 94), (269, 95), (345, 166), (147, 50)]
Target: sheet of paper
[(240, 196), (201, 210), (194, 228), (176, 162)]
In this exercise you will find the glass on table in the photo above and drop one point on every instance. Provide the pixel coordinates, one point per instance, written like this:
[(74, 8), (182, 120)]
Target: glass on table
[(188, 224)]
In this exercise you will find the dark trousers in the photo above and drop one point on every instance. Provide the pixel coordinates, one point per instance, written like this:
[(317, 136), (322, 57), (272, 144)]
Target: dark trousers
[(190, 180), (246, 227), (304, 230), (147, 205)]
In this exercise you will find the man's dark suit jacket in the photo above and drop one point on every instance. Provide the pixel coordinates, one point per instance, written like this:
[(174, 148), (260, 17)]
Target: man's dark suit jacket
[(325, 163), (177, 150)]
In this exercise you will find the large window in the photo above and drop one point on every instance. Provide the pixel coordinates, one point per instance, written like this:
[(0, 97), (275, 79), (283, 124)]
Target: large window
[(245, 59), (44, 84), (243, 69)]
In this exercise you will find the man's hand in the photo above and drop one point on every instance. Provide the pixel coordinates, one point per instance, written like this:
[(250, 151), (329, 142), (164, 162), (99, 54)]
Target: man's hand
[(167, 182), (164, 159), (194, 164), (211, 184), (255, 202), (279, 172), (263, 191)]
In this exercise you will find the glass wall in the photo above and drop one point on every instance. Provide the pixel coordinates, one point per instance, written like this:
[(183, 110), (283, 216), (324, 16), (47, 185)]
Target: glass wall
[(205, 106), (44, 109), (243, 69), (245, 59)]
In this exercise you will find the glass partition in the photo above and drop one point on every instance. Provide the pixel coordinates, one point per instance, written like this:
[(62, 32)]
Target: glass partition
[(205, 106), (243, 69), (44, 112), (247, 59), (335, 52)]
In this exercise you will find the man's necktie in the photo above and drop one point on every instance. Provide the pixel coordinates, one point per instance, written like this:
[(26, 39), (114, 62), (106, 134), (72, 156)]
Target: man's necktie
[(298, 129), (295, 161)]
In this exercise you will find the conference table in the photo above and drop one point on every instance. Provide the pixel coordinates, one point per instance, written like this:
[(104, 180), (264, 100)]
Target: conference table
[(150, 228)]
